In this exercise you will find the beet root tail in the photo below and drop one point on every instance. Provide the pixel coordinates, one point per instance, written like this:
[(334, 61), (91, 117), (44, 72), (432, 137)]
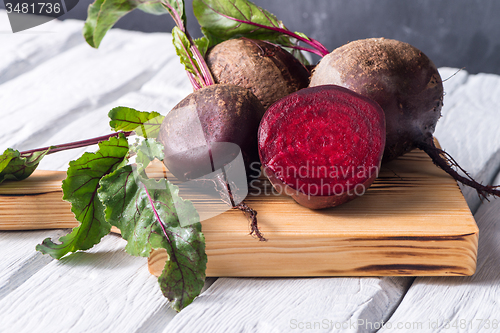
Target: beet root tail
[(444, 160), (228, 198), (252, 215)]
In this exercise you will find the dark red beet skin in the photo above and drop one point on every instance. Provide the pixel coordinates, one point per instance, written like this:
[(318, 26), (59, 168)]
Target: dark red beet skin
[(396, 75), (322, 145), (215, 114)]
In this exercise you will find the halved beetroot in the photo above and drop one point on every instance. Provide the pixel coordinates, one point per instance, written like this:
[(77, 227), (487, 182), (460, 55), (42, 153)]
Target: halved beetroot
[(322, 145)]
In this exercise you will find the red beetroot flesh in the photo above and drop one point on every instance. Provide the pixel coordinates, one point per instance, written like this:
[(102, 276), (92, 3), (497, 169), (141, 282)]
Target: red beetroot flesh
[(322, 145)]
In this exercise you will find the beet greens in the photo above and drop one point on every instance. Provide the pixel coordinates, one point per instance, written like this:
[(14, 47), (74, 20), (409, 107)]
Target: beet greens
[(104, 190), (223, 20)]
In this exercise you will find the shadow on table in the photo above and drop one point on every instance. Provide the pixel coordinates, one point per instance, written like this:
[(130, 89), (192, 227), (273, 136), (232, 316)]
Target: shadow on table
[(110, 254)]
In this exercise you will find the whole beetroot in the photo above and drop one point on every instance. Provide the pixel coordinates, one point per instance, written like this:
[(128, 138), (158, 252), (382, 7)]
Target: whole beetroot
[(399, 77), (214, 114), (408, 87), (266, 69), (206, 132)]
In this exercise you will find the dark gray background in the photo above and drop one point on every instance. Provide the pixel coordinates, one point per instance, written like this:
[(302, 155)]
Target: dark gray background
[(455, 33)]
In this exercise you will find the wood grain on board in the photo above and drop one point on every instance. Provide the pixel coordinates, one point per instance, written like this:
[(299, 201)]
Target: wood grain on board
[(413, 221)]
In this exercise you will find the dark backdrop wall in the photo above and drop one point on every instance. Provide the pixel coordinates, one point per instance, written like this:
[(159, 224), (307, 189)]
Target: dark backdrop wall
[(456, 33)]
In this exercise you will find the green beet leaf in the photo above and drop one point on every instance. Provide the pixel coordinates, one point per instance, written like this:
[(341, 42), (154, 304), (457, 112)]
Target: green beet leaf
[(103, 14), (146, 151), (210, 39), (187, 58), (80, 189), (148, 213), (183, 276), (177, 10), (127, 208), (225, 19), (145, 124), (153, 7), (221, 20), (202, 44), (18, 166)]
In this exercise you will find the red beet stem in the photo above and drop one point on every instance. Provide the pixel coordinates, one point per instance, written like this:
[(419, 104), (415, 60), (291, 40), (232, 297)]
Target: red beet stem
[(318, 48), (76, 144), (203, 74)]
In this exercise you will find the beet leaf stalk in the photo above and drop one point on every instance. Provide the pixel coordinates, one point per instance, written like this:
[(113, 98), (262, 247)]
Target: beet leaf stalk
[(74, 145), (225, 19), (16, 165), (103, 14), (186, 47)]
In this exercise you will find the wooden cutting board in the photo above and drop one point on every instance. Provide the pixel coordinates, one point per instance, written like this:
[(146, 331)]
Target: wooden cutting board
[(412, 221)]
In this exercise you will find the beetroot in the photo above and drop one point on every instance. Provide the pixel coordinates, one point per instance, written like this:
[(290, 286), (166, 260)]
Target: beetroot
[(399, 77), (322, 145), (217, 113), (266, 69), (205, 133), (407, 85)]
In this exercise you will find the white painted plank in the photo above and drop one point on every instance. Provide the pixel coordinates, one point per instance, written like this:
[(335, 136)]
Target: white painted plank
[(101, 290), (438, 303), (158, 94), (290, 305), (468, 129), (66, 87), (19, 257), (171, 81), (23, 51)]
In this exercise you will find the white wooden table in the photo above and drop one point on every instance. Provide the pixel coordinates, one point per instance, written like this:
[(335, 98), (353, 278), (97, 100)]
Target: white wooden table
[(54, 88)]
